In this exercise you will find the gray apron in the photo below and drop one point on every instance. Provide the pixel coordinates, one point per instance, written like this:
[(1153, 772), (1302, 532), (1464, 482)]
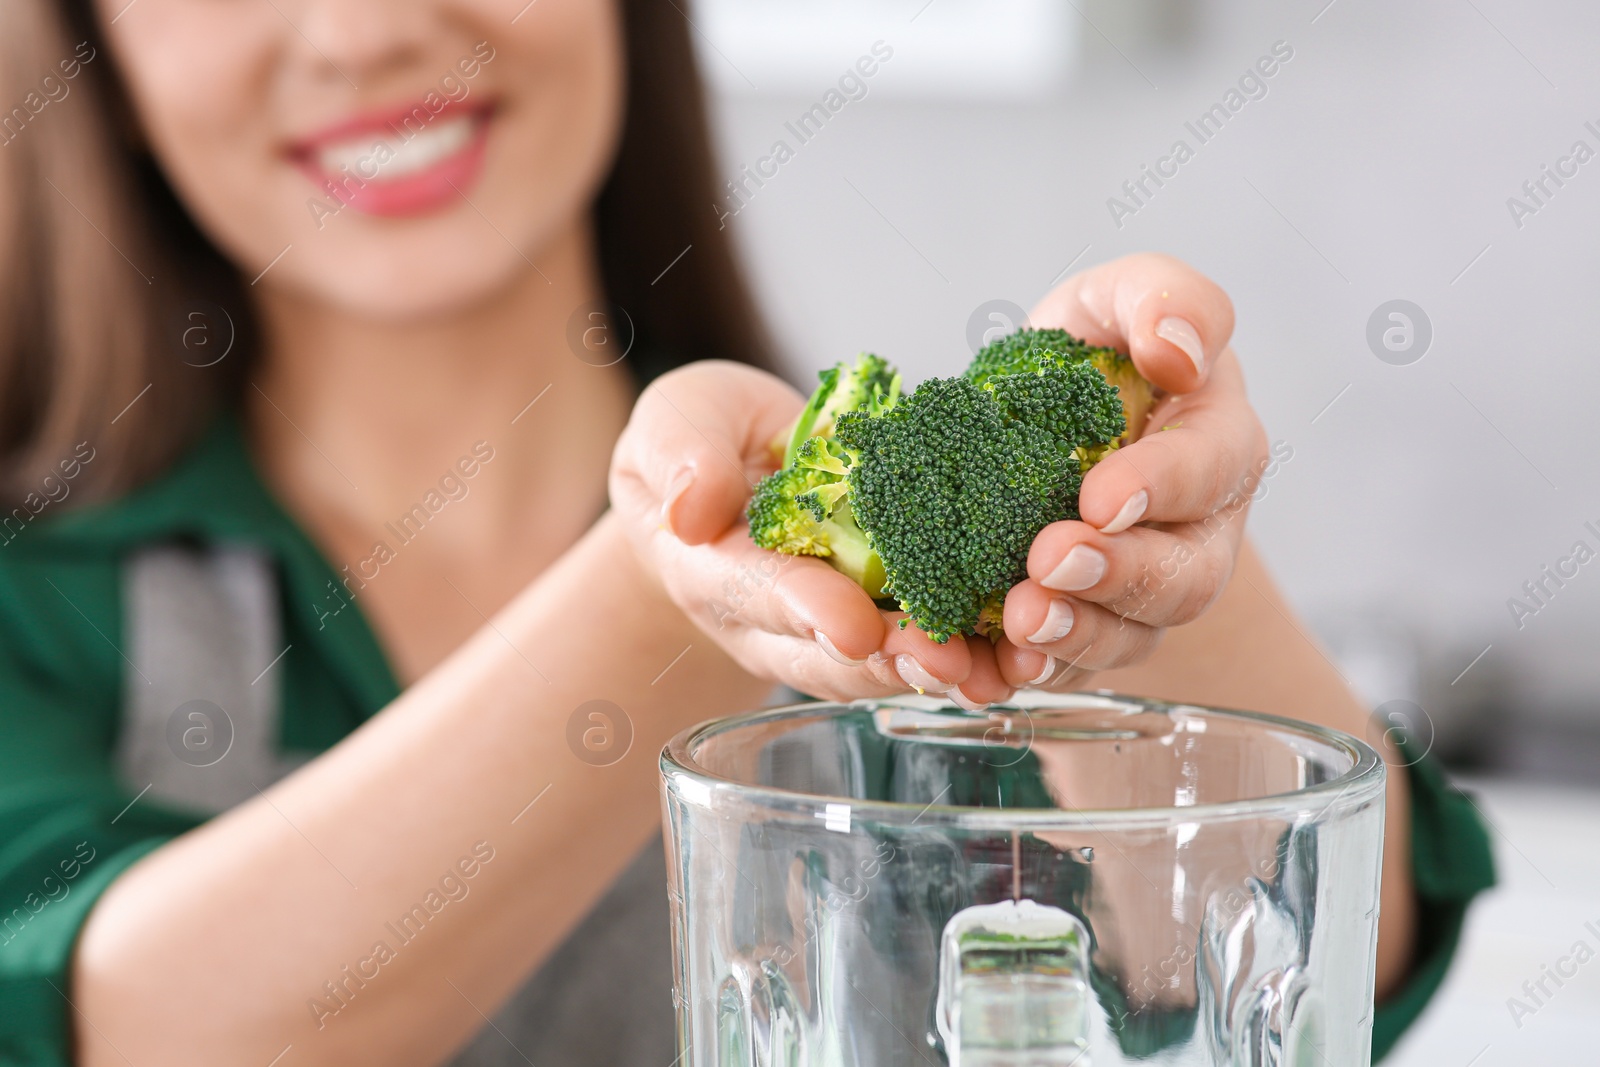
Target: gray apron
[(202, 625)]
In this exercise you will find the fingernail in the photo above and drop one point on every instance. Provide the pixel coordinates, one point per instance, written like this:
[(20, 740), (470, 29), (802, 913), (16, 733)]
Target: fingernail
[(960, 700), (1079, 569), (675, 488), (1044, 675), (1057, 624), (1183, 334), (1131, 513), (916, 676), (833, 650)]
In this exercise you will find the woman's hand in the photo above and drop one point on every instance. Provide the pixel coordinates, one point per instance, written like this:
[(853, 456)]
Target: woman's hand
[(1163, 516), (699, 440)]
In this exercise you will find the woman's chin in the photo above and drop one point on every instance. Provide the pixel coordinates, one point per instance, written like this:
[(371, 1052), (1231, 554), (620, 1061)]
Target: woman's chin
[(385, 283)]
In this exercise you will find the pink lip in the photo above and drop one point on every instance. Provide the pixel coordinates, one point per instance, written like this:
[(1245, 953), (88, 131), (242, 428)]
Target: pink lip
[(419, 193)]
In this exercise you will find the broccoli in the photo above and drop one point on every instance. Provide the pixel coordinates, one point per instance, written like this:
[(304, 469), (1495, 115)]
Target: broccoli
[(870, 381), (780, 521), (1024, 349), (785, 514), (932, 500)]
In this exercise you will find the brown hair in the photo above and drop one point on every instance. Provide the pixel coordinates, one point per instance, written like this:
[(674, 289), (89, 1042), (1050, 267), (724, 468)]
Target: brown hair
[(101, 267)]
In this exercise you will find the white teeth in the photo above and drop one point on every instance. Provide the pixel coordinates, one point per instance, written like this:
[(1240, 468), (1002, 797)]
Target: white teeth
[(382, 159)]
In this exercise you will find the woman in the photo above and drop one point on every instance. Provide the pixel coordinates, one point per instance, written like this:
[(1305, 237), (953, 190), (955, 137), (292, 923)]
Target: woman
[(306, 438)]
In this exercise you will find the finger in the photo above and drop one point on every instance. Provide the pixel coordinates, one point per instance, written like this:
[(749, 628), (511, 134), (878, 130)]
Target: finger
[(696, 444), (1199, 453), (911, 651), (814, 671), (731, 584), (1173, 320), (1160, 576), (1026, 668), (984, 684), (968, 674), (1023, 668), (1081, 633), (810, 670), (800, 596)]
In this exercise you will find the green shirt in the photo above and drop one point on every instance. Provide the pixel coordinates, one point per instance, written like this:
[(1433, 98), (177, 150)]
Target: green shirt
[(68, 826)]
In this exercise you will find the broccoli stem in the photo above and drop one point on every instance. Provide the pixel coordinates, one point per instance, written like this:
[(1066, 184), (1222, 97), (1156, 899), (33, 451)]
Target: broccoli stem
[(852, 555), (807, 420)]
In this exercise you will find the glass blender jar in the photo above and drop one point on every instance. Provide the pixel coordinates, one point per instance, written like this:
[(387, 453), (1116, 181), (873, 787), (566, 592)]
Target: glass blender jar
[(1084, 880)]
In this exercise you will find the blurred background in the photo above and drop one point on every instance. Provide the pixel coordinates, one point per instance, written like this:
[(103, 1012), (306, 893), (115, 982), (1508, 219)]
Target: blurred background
[(1404, 211)]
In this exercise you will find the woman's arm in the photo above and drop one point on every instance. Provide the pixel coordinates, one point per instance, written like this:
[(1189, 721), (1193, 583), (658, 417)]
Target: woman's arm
[(215, 948), (1250, 652)]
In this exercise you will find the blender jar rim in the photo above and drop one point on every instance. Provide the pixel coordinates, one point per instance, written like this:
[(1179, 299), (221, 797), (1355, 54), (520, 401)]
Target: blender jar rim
[(687, 780)]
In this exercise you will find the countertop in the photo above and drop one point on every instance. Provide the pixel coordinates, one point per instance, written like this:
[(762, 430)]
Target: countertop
[(1547, 847)]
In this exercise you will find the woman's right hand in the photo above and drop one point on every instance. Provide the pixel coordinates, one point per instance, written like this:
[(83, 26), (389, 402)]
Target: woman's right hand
[(697, 443)]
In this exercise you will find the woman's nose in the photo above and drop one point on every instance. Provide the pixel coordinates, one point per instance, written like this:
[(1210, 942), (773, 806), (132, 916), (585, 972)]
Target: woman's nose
[(361, 39)]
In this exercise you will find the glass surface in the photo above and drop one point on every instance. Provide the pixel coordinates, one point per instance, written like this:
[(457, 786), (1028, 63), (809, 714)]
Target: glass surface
[(1089, 880)]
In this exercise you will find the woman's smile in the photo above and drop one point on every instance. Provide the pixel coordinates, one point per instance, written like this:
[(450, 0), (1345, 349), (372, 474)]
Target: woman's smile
[(408, 160), (461, 146)]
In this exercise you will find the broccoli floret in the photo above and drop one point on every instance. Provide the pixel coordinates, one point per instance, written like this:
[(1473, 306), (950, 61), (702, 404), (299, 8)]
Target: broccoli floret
[(933, 499), (1030, 350), (785, 517), (845, 387), (1018, 352), (955, 482), (952, 487)]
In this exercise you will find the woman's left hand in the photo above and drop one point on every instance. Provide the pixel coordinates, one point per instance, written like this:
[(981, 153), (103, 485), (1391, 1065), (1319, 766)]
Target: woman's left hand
[(1163, 516)]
